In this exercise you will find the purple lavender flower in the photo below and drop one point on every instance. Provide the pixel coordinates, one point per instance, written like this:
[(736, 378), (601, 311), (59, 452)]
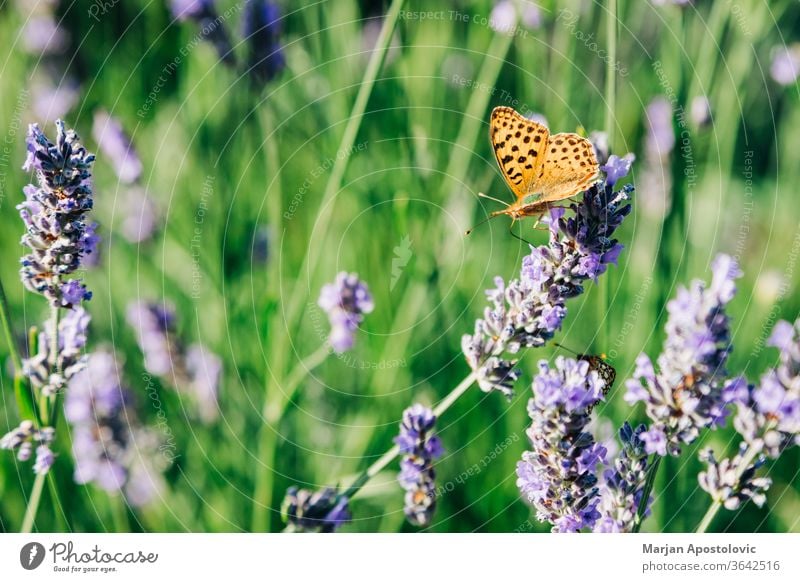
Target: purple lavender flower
[(661, 135), (768, 415), (140, 216), (49, 373), (43, 36), (321, 511), (731, 482), (24, 438), (261, 29), (622, 487), (52, 102), (54, 215), (194, 371), (419, 448), (687, 393), (211, 25), (105, 446), (617, 168), (116, 145), (785, 66), (528, 311), (204, 369), (558, 475), (346, 300)]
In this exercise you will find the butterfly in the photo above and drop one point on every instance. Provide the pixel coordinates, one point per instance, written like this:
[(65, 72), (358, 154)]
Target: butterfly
[(598, 363), (539, 168)]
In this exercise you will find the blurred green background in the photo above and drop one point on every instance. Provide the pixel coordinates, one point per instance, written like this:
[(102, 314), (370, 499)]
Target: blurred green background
[(421, 155)]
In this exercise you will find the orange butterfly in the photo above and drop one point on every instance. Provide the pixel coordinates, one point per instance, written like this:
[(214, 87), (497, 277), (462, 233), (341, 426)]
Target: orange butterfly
[(538, 167)]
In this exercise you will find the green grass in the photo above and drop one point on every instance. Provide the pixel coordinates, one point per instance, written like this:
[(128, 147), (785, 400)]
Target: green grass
[(423, 156)]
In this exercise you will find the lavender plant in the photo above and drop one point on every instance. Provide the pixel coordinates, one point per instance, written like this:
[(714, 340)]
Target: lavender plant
[(193, 371), (211, 24), (261, 29), (346, 301), (58, 237), (529, 310), (558, 474), (419, 448), (322, 511)]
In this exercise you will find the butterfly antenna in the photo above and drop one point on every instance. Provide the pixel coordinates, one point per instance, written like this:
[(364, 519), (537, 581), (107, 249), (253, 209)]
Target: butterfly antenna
[(516, 236), (482, 195), (563, 347), (487, 219)]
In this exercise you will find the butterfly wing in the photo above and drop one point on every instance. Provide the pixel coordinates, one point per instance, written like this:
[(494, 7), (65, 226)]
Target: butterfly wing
[(569, 166), (519, 145)]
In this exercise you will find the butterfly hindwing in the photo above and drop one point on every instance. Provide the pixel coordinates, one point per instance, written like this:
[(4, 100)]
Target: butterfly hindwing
[(519, 145), (570, 166)]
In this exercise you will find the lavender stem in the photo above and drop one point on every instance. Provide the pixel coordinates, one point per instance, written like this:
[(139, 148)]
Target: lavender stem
[(33, 503), (648, 487)]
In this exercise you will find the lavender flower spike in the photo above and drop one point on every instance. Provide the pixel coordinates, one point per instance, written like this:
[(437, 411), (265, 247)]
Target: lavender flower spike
[(730, 483), (558, 474), (346, 300), (420, 448), (23, 439), (321, 511), (261, 29), (529, 310), (688, 393), (768, 416), (54, 216), (622, 486)]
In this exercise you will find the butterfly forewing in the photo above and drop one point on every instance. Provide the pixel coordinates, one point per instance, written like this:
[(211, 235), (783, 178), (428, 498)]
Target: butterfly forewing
[(605, 370), (519, 145)]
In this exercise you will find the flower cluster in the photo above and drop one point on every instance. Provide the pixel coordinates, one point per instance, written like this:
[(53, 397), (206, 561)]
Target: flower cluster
[(194, 371), (622, 487), (261, 28), (689, 391), (559, 474), (733, 481), (320, 511), (346, 301), (419, 448), (24, 438), (768, 415), (54, 214), (109, 446), (528, 311)]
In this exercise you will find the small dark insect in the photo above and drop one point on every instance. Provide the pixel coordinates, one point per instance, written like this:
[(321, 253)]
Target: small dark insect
[(607, 372)]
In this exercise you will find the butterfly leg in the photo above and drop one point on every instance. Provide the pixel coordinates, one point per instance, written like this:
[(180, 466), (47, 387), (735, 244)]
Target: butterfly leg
[(515, 235)]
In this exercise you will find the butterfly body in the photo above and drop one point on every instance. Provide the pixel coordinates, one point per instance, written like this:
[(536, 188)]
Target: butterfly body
[(539, 168)]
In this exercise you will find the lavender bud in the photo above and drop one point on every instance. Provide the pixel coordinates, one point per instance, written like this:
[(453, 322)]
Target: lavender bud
[(321, 511), (346, 300), (420, 448)]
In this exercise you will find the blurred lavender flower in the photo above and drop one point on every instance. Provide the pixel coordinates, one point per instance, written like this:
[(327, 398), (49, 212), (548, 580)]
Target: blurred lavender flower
[(622, 487), (700, 111), (194, 371), (732, 481), (528, 311), (688, 393), (52, 102), (24, 438), (346, 300), (659, 143), (768, 416), (54, 215), (139, 216), (321, 511), (117, 146), (261, 30), (211, 25), (262, 241), (599, 141), (558, 474), (43, 36), (104, 429), (785, 66), (419, 448)]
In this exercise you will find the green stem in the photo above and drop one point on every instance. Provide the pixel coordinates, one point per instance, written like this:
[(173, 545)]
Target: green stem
[(33, 503), (52, 486), (611, 86), (374, 65), (752, 452), (5, 320), (390, 455), (648, 487), (274, 407)]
